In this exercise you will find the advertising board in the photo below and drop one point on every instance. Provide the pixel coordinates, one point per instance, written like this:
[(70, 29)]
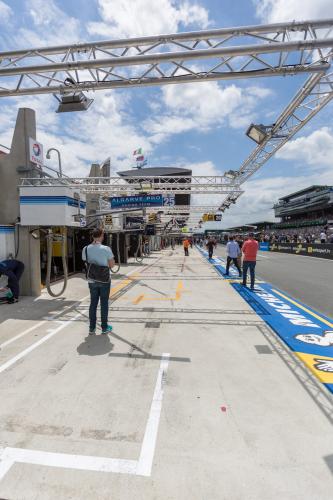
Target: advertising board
[(36, 152), (325, 251)]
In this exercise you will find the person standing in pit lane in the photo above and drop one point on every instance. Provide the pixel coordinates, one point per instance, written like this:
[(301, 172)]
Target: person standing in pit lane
[(250, 250), (100, 260), (211, 244), (240, 242), (233, 252), (186, 245)]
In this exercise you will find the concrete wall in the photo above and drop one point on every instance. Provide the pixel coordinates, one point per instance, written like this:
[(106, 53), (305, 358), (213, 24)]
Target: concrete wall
[(13, 167)]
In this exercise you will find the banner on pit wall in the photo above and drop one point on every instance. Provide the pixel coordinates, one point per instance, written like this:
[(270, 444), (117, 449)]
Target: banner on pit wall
[(264, 246), (323, 250), (36, 152)]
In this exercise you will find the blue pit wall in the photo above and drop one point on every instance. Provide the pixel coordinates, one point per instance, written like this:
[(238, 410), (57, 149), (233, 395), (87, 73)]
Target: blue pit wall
[(307, 333)]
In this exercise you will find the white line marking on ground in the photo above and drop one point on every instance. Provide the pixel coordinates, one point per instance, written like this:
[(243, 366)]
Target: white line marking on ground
[(64, 461), (41, 323), (150, 437), (51, 318), (264, 256), (39, 342), (142, 467)]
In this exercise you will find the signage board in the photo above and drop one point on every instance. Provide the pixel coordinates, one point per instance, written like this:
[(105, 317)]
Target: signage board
[(169, 200), (108, 220), (323, 250), (36, 152), (137, 201), (264, 246), (133, 222)]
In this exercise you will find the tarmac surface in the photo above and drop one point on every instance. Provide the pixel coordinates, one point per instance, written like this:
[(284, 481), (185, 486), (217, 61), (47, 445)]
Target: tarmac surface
[(309, 279), (191, 396)]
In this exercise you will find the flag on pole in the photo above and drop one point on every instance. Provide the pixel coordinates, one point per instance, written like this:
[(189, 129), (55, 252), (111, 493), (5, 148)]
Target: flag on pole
[(140, 158), (137, 152)]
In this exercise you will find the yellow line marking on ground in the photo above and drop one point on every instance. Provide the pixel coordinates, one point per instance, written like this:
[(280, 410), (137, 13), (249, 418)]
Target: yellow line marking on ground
[(138, 299), (179, 290), (323, 320), (119, 287), (178, 295)]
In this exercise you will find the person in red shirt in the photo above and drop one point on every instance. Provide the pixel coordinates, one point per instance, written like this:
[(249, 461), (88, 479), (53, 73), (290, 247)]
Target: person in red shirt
[(249, 249)]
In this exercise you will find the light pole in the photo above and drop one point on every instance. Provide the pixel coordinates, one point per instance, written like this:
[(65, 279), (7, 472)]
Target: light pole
[(48, 156)]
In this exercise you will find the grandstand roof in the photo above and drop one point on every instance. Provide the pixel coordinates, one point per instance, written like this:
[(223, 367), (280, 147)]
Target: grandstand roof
[(304, 191), (151, 171)]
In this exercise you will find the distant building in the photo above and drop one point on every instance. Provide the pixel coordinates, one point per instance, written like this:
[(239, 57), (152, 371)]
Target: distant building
[(307, 207)]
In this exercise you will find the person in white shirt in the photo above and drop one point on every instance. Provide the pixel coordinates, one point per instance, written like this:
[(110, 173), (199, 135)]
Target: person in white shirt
[(323, 237), (233, 252)]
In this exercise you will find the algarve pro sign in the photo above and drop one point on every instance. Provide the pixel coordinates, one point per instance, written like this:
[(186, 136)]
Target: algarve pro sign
[(139, 201)]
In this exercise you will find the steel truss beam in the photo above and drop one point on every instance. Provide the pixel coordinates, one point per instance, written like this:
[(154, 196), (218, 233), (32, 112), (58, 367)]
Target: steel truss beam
[(316, 93), (158, 184), (242, 52)]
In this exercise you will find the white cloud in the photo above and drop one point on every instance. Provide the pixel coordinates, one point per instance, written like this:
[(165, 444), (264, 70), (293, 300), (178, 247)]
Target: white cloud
[(315, 149), (202, 106), (5, 12), (273, 11), (49, 25), (82, 138), (121, 18)]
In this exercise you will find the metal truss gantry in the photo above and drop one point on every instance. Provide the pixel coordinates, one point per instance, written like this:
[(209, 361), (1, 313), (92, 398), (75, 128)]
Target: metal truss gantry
[(228, 53), (114, 186), (316, 93)]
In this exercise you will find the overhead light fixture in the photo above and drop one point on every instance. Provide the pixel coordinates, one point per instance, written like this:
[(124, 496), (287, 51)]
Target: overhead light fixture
[(231, 174), (258, 133), (73, 102)]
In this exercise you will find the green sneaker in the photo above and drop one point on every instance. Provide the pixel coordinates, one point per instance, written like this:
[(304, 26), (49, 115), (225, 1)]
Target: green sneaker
[(107, 330)]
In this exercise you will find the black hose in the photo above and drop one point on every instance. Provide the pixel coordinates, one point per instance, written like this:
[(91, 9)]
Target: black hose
[(17, 240), (139, 259), (49, 238), (116, 270)]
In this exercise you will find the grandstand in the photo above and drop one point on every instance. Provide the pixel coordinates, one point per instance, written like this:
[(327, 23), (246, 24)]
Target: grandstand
[(309, 207)]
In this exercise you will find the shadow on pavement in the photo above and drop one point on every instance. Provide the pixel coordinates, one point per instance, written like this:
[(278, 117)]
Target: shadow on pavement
[(95, 345)]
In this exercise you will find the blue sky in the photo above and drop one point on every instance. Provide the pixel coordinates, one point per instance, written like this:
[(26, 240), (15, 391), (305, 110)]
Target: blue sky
[(201, 125)]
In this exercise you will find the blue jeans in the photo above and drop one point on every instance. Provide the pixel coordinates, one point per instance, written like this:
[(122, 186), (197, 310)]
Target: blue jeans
[(249, 264), (99, 291)]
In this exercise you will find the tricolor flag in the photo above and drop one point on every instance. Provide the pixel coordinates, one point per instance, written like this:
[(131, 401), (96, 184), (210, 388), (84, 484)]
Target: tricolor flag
[(137, 152)]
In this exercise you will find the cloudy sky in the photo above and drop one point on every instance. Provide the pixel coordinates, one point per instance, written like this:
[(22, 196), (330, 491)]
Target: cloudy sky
[(201, 126)]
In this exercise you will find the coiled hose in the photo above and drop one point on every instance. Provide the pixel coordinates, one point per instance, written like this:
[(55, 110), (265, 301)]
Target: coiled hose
[(49, 239), (116, 269)]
